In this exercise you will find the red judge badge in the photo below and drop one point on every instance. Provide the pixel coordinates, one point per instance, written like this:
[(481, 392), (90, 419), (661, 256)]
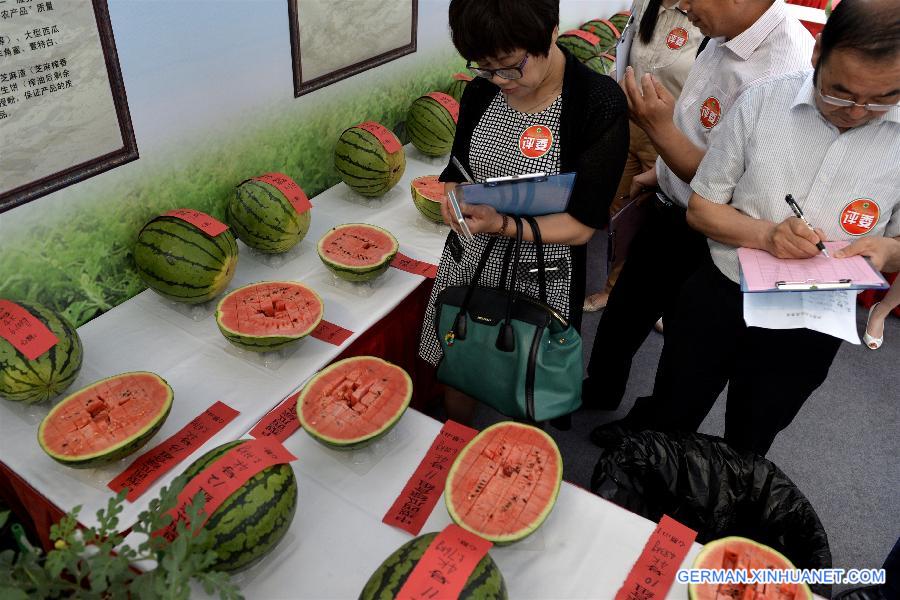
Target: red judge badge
[(677, 38), (536, 141), (710, 112), (860, 216)]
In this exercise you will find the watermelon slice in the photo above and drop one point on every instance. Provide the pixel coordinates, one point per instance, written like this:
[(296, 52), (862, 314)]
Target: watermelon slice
[(353, 402), (742, 554), (428, 195), (270, 315), (504, 483), (358, 251), (107, 420)]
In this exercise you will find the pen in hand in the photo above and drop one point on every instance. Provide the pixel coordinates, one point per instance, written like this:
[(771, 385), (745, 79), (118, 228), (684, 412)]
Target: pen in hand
[(799, 212)]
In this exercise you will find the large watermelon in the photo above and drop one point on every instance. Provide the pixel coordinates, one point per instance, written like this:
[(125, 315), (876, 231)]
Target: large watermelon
[(620, 20), (107, 420), (33, 381), (264, 219), (353, 402), (739, 553), (428, 194), (582, 44), (458, 86), (182, 263), (365, 165), (431, 125), (485, 582), (603, 63), (358, 251), (606, 31), (504, 483), (250, 522), (268, 316)]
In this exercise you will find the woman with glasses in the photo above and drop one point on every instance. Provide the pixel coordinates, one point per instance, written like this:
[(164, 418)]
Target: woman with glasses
[(531, 108)]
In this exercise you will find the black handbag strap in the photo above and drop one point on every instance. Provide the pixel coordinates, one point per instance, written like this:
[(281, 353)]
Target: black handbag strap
[(507, 260), (539, 251), (506, 338)]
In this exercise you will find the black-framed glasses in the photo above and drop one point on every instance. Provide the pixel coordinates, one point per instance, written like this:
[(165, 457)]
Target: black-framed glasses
[(844, 103), (507, 73)]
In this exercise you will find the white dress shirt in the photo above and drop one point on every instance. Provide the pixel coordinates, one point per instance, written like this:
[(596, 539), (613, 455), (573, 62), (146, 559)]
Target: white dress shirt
[(670, 53)]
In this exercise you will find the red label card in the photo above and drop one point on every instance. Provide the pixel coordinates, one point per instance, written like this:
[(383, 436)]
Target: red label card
[(151, 465), (224, 477), (448, 102), (462, 77), (287, 186), (587, 36), (445, 567), (412, 507), (24, 331), (383, 134), (653, 573), (416, 267), (280, 423), (331, 333), (202, 221)]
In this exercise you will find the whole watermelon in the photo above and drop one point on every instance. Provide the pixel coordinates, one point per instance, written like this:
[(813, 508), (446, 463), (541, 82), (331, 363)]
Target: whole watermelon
[(431, 127), (607, 31), (365, 165), (603, 64), (264, 219), (580, 45), (47, 376), (458, 86)]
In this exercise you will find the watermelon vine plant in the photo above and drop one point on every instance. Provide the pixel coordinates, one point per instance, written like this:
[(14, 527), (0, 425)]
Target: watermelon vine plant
[(93, 563)]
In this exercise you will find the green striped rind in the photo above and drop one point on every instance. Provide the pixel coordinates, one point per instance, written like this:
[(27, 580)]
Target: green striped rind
[(365, 165), (581, 48), (606, 31), (249, 523), (428, 207), (181, 263), (431, 126), (484, 583), (49, 375), (456, 89), (603, 64), (620, 20), (363, 273), (122, 449), (264, 219)]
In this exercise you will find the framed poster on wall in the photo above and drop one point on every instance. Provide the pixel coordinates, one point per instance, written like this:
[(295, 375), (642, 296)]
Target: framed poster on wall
[(335, 39), (63, 111)]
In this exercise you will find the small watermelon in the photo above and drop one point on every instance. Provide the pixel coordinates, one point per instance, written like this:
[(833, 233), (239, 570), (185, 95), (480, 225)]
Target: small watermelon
[(607, 33), (268, 316), (743, 554), (107, 420), (182, 263), (264, 219), (582, 44), (428, 194), (365, 165), (458, 86), (353, 402), (485, 582), (358, 251), (504, 483), (620, 20), (603, 63), (47, 376), (251, 521), (432, 125)]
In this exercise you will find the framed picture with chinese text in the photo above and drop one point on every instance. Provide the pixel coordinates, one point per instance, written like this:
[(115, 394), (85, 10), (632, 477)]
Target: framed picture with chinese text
[(335, 39), (63, 111)]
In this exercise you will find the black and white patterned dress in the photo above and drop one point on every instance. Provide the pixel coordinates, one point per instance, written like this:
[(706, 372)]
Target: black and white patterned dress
[(499, 145)]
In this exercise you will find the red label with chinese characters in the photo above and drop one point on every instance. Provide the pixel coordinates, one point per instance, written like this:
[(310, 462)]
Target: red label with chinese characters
[(287, 186), (153, 464), (462, 77), (445, 567), (280, 423), (416, 267), (677, 38), (860, 216), (587, 36), (202, 221), (536, 141), (710, 112), (415, 503), (224, 477), (331, 333), (384, 135), (447, 102), (24, 331), (653, 573)]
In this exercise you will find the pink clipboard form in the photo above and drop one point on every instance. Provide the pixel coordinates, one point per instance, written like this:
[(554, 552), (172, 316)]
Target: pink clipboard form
[(762, 272)]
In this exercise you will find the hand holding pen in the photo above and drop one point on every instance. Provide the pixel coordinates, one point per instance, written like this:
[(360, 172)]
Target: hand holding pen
[(799, 212), (794, 237)]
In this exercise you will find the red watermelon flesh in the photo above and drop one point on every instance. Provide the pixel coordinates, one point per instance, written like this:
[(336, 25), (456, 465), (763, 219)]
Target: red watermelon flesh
[(357, 246)]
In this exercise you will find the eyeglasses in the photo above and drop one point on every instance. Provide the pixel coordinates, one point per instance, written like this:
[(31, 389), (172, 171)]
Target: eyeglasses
[(844, 103), (507, 73)]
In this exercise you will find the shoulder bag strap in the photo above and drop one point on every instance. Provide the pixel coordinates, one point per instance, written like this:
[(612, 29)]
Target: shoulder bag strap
[(539, 251)]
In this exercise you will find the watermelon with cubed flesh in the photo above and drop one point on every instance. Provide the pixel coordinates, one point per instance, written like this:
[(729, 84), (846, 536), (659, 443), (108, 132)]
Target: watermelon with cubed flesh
[(505, 482), (603, 64), (458, 86), (358, 252), (738, 553), (353, 402), (431, 125), (364, 163), (49, 375), (107, 420), (264, 219), (484, 583), (270, 315), (606, 31), (582, 44), (428, 195)]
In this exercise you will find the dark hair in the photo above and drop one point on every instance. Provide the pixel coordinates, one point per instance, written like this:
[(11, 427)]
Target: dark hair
[(487, 28), (870, 27), (648, 21)]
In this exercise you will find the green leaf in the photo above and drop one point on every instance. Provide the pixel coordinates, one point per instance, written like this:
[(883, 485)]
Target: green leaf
[(12, 593), (4, 515)]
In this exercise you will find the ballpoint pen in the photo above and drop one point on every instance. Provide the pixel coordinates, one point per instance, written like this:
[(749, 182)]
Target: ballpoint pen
[(461, 168), (799, 212)]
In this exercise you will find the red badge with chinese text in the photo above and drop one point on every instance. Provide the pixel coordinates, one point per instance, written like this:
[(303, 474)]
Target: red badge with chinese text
[(24, 331), (653, 573), (536, 141), (860, 216), (384, 135), (710, 112), (677, 38), (287, 186), (445, 566), (202, 221)]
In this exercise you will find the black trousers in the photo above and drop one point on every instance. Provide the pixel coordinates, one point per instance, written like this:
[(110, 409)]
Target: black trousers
[(770, 373)]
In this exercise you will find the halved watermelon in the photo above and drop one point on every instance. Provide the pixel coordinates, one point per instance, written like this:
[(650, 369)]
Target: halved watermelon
[(270, 315), (107, 420), (504, 483), (428, 194), (744, 554), (358, 251), (353, 402)]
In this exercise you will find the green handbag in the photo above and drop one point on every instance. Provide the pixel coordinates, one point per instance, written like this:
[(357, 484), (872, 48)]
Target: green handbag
[(506, 349)]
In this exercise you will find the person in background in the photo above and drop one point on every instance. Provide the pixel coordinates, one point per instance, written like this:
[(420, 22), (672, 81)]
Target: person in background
[(665, 45)]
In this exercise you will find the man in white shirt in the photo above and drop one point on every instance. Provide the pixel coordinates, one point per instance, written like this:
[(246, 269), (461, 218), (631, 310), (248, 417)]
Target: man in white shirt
[(829, 137)]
